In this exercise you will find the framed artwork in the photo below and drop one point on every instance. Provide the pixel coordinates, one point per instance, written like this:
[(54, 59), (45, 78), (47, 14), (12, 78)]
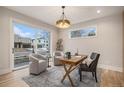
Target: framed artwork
[(84, 32)]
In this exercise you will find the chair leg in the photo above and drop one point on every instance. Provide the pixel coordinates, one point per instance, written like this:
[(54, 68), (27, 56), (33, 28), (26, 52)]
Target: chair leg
[(95, 76), (80, 75)]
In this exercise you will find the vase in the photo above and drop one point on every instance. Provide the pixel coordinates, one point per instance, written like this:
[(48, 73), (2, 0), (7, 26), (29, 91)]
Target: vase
[(68, 55)]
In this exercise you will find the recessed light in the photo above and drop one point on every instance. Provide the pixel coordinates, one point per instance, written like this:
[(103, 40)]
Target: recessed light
[(98, 11)]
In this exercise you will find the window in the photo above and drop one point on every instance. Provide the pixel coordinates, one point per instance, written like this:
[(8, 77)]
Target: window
[(46, 41), (84, 32), (28, 36)]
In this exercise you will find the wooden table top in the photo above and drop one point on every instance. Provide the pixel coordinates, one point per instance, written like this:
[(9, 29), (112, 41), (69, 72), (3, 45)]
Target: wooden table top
[(74, 60)]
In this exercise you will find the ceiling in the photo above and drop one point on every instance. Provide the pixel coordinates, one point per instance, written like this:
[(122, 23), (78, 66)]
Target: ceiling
[(76, 14)]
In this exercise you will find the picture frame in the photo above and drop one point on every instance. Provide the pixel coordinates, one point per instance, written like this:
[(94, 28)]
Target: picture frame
[(85, 32)]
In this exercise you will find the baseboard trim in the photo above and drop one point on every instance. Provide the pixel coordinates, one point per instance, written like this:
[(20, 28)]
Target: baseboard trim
[(4, 71), (110, 67)]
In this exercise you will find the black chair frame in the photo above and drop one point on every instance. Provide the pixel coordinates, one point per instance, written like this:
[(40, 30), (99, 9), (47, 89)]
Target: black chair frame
[(92, 67)]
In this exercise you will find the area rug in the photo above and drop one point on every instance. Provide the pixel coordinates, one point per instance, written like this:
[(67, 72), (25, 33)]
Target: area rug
[(53, 75)]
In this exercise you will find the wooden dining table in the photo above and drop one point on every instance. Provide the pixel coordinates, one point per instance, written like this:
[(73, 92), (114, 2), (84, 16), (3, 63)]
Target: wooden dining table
[(70, 65)]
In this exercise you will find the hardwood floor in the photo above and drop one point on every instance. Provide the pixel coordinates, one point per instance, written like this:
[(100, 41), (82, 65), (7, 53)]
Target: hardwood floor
[(14, 79), (112, 79)]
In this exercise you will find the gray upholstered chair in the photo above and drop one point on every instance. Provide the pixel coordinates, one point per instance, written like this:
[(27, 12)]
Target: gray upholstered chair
[(56, 56), (38, 64), (92, 66)]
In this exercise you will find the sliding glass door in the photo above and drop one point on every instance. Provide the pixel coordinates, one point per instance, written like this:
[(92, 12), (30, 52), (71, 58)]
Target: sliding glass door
[(29, 40)]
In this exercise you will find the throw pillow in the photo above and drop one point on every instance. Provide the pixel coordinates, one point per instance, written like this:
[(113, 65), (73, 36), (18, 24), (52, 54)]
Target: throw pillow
[(88, 61)]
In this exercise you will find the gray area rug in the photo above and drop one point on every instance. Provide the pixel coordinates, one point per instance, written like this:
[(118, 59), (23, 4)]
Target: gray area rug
[(53, 75)]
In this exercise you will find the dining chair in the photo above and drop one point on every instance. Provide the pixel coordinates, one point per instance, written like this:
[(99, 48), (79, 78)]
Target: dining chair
[(92, 67)]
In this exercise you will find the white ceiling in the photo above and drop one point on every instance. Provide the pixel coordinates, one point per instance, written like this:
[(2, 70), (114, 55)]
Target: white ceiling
[(76, 14)]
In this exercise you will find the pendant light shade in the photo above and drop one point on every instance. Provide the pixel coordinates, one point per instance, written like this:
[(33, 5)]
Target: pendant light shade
[(63, 22)]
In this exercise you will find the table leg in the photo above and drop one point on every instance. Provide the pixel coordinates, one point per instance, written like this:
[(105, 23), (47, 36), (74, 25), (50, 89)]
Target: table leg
[(67, 74)]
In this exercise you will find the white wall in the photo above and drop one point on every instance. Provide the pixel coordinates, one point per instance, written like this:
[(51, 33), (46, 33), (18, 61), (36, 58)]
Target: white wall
[(6, 17), (108, 41)]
